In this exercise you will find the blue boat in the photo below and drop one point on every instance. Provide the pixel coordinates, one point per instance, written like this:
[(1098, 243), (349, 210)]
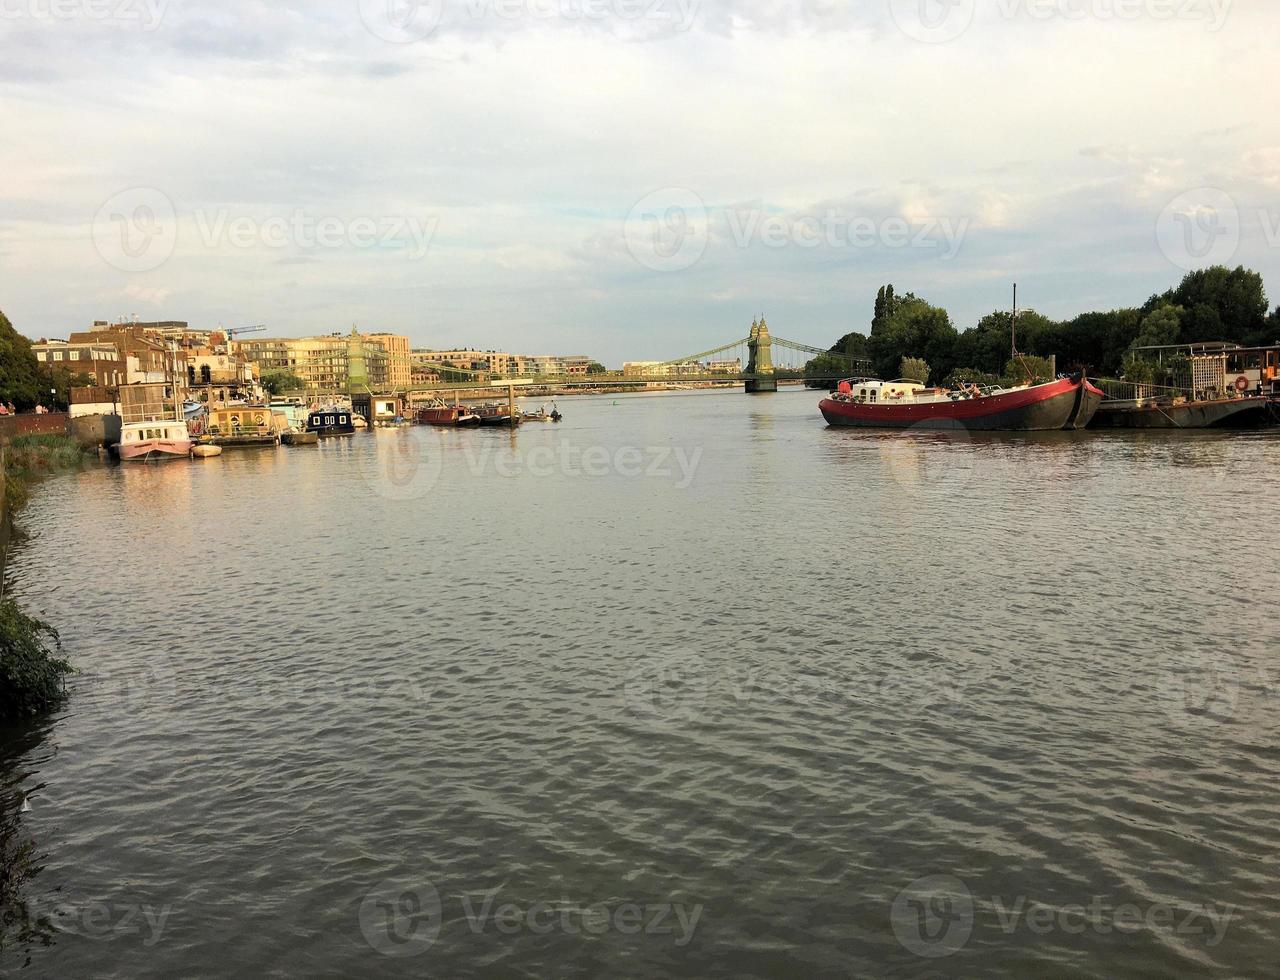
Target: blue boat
[(331, 422)]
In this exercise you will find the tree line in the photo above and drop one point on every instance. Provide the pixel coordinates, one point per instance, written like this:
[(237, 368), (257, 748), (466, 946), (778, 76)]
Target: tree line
[(1211, 304)]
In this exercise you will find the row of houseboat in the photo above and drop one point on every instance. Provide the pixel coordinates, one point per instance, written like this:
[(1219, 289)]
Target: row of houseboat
[(1067, 403), (1224, 386), (206, 431)]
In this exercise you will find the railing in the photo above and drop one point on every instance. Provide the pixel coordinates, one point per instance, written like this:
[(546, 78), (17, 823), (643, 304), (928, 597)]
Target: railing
[(1133, 391)]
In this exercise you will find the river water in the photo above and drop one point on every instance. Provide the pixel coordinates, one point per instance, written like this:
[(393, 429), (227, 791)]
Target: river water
[(688, 685)]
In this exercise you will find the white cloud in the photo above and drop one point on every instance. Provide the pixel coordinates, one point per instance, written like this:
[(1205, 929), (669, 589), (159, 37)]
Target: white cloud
[(530, 140)]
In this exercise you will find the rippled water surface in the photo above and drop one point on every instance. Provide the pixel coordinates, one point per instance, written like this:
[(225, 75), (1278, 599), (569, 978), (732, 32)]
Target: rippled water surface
[(687, 685)]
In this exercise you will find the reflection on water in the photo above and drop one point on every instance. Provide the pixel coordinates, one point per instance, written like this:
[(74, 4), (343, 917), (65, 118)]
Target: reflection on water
[(25, 926), (691, 684)]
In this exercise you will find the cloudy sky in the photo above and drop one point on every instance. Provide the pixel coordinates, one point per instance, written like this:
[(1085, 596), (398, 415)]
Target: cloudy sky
[(624, 178)]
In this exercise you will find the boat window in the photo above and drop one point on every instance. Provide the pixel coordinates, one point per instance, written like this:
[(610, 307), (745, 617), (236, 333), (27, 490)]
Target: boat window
[(873, 394), (328, 420)]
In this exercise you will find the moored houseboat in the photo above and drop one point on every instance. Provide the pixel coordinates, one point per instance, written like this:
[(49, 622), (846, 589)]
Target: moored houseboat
[(1068, 403), (328, 422), (153, 441), (241, 426), (439, 413), (497, 415), (1183, 413)]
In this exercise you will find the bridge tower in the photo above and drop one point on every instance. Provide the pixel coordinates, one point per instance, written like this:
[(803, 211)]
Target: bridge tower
[(760, 362), (357, 365)]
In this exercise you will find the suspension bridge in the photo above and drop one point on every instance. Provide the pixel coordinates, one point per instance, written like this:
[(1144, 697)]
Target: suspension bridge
[(759, 361)]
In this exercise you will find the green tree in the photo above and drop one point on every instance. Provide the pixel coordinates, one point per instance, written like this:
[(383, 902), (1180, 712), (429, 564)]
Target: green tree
[(851, 345), (1097, 342), (1231, 302), (1161, 327), (20, 372), (279, 382), (914, 369), (63, 380), (1203, 323), (914, 329), (595, 367), (820, 370)]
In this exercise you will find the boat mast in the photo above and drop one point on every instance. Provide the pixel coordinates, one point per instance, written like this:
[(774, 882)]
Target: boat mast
[(1013, 323)]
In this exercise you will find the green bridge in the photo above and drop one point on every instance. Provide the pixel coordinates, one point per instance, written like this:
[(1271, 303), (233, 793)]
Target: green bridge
[(768, 359)]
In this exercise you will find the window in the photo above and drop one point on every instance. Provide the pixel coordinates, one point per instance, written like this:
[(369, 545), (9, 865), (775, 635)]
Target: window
[(73, 355), (57, 355)]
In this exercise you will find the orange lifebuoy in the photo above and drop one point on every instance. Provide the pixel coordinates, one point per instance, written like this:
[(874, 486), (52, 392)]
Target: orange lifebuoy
[(1242, 384)]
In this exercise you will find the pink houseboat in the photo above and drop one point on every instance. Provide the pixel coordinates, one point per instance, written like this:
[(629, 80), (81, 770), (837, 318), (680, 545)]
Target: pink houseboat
[(153, 441)]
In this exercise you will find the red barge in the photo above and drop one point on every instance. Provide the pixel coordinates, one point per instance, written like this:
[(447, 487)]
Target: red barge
[(1069, 403)]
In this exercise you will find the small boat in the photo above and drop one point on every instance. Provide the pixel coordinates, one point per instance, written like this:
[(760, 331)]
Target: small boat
[(206, 450), (359, 421), (439, 413), (332, 422), (295, 438), (543, 416), (153, 441), (1068, 403), (1178, 413)]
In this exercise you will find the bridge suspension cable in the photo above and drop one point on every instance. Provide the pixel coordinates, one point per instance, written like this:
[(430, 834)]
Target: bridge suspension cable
[(706, 353)]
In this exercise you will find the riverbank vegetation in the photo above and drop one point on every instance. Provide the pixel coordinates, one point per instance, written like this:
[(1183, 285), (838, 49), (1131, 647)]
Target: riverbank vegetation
[(30, 458), (1211, 304), (32, 672)]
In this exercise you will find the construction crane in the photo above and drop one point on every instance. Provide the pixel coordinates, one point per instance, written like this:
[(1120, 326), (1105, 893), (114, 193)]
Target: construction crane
[(236, 331)]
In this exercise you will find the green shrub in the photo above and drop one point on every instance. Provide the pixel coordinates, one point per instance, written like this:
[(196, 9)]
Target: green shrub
[(31, 674), (1027, 369), (969, 376)]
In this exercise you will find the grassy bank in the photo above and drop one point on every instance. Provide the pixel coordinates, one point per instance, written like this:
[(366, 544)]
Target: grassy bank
[(28, 459)]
